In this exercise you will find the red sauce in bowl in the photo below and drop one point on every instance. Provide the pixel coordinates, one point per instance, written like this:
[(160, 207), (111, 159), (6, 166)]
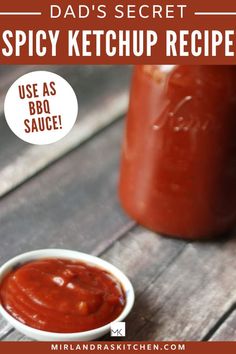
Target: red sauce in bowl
[(63, 296)]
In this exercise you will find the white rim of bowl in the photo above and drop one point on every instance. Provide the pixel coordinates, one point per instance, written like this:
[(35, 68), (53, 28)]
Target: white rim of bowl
[(75, 255)]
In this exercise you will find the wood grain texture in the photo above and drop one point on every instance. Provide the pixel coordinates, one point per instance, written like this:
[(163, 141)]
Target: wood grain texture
[(103, 97), (14, 336), (5, 327), (73, 204), (187, 299), (143, 255), (227, 331)]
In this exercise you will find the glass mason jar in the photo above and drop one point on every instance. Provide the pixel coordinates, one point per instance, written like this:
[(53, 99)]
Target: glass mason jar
[(178, 169)]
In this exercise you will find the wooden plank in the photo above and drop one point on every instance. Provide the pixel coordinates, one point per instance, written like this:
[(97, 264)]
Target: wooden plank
[(143, 255), (187, 299), (73, 204), (14, 336), (5, 327), (103, 97), (227, 331)]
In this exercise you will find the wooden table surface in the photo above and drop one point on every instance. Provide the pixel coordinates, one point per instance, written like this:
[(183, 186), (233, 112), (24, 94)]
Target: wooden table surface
[(65, 195)]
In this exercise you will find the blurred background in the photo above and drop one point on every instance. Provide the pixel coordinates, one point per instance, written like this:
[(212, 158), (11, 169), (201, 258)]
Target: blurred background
[(102, 92)]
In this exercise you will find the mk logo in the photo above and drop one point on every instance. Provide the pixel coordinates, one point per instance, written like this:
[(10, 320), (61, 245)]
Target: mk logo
[(118, 329)]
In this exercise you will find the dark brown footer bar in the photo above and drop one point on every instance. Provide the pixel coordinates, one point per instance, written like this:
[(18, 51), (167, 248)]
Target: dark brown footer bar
[(118, 347)]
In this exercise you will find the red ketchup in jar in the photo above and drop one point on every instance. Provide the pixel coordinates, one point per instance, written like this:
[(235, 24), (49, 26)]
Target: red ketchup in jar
[(178, 169)]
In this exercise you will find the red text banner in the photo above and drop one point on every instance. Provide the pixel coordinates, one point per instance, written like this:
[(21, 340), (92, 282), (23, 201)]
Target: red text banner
[(118, 32), (118, 347)]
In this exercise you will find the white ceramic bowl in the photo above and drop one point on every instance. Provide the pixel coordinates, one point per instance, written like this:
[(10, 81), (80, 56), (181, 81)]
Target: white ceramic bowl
[(67, 254)]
